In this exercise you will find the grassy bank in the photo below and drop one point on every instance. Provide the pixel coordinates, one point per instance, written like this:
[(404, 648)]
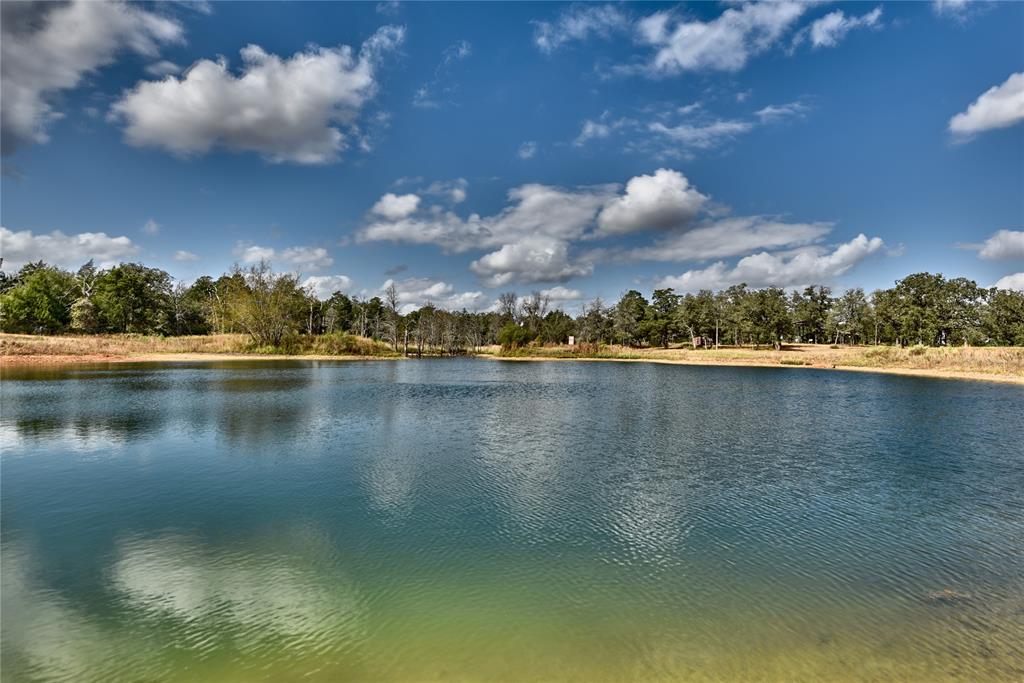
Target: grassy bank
[(24, 348), (1001, 363), (993, 363)]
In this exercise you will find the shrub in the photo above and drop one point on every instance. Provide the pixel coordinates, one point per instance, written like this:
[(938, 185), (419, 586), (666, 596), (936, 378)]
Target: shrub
[(513, 336)]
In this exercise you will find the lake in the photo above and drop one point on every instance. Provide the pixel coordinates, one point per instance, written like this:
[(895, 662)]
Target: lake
[(476, 520)]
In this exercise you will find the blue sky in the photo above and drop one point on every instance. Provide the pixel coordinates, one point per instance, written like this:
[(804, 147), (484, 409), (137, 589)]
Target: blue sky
[(463, 150)]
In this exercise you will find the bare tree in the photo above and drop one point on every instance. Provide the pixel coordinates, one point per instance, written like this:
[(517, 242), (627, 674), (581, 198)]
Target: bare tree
[(391, 303), (508, 306)]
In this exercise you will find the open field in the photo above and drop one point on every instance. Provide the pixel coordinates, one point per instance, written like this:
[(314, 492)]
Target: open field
[(1004, 364)]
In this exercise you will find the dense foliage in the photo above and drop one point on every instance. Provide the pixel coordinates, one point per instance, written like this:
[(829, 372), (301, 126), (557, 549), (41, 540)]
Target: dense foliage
[(274, 310)]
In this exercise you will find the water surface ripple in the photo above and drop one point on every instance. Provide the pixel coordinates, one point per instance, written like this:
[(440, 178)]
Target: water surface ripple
[(470, 520)]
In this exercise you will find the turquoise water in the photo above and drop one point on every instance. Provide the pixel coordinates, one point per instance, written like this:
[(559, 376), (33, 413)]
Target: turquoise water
[(474, 520)]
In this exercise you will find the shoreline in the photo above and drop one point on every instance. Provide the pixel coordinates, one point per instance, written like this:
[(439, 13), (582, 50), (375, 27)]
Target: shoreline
[(906, 372), (38, 360)]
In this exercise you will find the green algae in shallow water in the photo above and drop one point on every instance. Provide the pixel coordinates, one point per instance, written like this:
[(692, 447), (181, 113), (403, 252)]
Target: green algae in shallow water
[(464, 521)]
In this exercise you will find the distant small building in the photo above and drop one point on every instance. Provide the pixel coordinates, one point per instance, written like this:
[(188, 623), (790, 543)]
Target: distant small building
[(572, 340)]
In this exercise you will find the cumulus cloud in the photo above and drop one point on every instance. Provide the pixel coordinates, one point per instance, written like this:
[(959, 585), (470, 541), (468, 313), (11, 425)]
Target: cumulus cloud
[(534, 210), (323, 286), (299, 258), (151, 227), (395, 207), (182, 255), (531, 240), (731, 237), (1014, 282), (829, 30), (527, 150), (810, 265), (559, 295), (1005, 244), (721, 44), (68, 251), (416, 292), (302, 109), (529, 260), (1000, 106), (48, 48), (578, 23), (652, 202)]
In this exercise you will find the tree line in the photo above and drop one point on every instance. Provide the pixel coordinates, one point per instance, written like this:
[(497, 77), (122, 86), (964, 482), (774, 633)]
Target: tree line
[(274, 310)]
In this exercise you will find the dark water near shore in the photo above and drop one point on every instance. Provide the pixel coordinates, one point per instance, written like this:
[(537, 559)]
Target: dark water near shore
[(472, 520)]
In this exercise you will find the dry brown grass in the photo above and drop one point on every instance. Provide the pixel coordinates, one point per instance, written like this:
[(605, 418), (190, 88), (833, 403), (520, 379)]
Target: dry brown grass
[(995, 362), (36, 348), (115, 345)]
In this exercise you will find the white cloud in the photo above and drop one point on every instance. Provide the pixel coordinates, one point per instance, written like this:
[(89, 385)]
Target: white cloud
[(68, 251), (731, 237), (182, 255), (416, 292), (578, 23), (439, 90), (560, 295), (774, 113), (1000, 106), (534, 210), (151, 227), (810, 265), (527, 150), (830, 29), (323, 286), (1014, 282), (395, 207), (302, 109), (529, 260), (47, 48), (957, 10), (592, 130), (1005, 244), (300, 258), (163, 68), (722, 44), (453, 190), (531, 240), (702, 136), (652, 202)]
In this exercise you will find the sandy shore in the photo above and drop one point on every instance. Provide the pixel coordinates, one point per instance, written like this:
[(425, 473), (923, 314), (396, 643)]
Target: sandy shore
[(51, 360), (910, 372)]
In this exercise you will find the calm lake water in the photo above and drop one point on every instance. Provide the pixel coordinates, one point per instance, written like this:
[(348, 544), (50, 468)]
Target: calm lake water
[(473, 520)]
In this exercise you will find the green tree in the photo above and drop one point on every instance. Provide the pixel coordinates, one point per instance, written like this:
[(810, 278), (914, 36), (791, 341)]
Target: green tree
[(270, 307), (513, 336), (1003, 317), (661, 324), (133, 298), (628, 316), (40, 302), (767, 313)]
